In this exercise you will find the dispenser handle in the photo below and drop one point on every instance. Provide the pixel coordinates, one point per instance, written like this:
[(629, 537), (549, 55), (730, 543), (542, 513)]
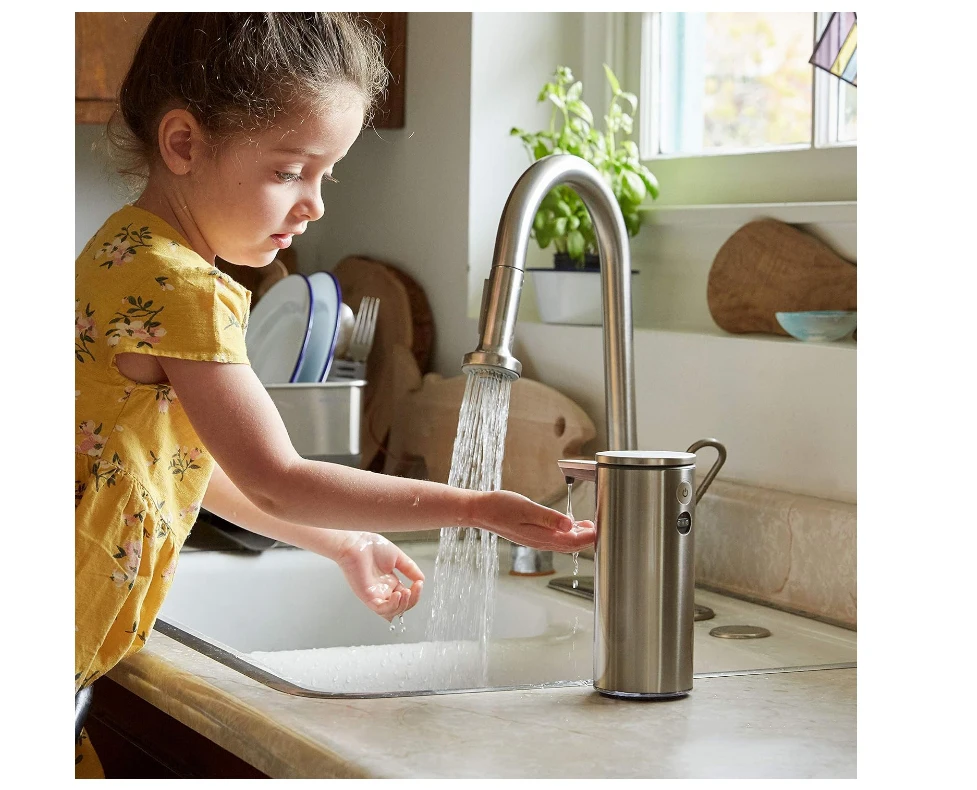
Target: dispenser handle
[(711, 474), (578, 469)]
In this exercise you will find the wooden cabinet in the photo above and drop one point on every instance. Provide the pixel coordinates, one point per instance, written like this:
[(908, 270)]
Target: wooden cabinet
[(106, 41), (104, 46), (136, 740)]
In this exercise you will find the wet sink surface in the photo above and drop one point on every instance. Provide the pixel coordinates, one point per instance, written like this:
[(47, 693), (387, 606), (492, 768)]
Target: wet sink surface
[(287, 618)]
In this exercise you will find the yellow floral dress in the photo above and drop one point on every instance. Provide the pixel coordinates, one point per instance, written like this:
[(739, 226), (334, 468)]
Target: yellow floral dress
[(140, 469)]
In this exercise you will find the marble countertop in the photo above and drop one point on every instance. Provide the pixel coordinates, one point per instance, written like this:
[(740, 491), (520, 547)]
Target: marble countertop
[(778, 724)]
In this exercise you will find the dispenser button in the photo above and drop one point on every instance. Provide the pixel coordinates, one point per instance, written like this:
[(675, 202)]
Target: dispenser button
[(684, 492), (684, 523)]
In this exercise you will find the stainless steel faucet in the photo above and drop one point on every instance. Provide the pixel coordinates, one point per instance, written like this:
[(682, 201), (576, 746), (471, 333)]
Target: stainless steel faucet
[(503, 288)]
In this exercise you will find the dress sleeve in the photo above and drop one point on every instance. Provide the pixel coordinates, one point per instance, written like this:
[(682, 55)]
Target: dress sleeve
[(188, 312)]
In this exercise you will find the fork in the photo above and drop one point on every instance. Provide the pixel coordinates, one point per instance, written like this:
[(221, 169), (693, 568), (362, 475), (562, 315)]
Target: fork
[(363, 330)]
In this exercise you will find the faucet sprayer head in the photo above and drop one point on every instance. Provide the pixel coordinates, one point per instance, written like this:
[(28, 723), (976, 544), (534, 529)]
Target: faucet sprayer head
[(506, 364), (497, 323)]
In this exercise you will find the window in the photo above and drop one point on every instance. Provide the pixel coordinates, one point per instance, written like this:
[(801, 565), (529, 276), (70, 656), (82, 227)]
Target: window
[(731, 83), (817, 164)]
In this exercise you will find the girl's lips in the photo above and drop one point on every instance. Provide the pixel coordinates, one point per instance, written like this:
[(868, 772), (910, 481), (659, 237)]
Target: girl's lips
[(283, 240)]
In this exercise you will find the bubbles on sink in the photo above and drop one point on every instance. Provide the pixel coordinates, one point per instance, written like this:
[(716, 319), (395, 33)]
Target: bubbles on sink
[(369, 669)]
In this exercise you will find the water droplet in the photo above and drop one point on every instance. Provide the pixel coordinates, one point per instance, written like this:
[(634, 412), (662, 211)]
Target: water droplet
[(392, 626)]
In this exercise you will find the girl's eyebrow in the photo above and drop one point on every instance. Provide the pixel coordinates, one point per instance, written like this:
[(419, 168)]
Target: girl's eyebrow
[(306, 152), (300, 151)]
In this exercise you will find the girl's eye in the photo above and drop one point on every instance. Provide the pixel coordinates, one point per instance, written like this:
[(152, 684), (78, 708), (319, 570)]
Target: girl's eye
[(287, 178), (329, 178)]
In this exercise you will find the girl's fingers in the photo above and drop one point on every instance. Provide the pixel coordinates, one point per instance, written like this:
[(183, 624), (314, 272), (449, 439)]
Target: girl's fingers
[(415, 594), (408, 567), (388, 609)]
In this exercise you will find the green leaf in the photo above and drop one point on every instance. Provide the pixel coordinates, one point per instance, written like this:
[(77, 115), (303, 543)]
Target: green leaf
[(651, 183), (543, 238), (632, 221), (557, 101), (634, 184), (631, 98), (615, 85), (564, 208), (579, 108), (631, 148), (574, 91), (540, 150), (575, 244), (560, 226)]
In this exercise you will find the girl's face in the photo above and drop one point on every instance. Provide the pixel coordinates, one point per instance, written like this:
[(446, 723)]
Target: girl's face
[(256, 194)]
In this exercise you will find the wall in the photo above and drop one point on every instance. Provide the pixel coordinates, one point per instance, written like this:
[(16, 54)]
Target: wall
[(98, 189), (403, 193)]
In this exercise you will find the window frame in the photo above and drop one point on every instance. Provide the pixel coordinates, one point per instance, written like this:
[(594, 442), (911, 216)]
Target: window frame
[(823, 171)]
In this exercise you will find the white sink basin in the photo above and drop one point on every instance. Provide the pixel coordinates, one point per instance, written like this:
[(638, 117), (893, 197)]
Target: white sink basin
[(286, 617)]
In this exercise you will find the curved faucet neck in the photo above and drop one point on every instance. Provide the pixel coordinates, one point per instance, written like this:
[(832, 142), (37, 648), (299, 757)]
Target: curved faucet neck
[(500, 298)]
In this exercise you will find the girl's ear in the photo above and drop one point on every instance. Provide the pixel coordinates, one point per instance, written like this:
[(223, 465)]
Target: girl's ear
[(179, 136)]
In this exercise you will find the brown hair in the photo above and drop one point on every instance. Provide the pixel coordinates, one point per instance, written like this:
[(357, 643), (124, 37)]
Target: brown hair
[(240, 72)]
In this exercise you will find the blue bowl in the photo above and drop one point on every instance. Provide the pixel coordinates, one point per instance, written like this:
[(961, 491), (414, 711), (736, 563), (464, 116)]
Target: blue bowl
[(819, 325)]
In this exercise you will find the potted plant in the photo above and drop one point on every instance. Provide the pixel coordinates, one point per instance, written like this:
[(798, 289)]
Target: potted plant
[(562, 219)]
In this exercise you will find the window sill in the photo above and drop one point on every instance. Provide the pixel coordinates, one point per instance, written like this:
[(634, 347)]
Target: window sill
[(741, 213)]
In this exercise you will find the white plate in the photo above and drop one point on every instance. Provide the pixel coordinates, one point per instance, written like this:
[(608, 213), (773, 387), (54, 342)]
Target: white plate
[(279, 329), (326, 300)]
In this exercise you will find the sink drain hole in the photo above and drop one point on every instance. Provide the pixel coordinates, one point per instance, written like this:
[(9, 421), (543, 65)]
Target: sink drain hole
[(739, 632)]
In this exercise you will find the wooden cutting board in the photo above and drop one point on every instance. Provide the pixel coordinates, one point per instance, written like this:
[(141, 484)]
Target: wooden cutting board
[(544, 425), (405, 322), (769, 266)]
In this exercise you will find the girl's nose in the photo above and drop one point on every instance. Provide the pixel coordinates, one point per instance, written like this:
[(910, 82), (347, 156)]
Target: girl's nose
[(311, 207)]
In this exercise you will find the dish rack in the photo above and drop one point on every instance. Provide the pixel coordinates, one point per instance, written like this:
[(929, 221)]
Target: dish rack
[(346, 370)]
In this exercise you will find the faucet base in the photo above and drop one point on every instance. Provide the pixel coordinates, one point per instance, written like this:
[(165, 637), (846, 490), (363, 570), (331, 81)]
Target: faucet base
[(530, 562), (641, 696)]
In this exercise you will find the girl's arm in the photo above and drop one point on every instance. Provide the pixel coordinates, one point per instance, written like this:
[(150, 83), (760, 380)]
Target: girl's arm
[(224, 499), (367, 561), (239, 425)]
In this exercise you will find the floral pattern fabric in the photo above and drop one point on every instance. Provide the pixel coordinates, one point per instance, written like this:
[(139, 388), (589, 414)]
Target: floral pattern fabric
[(140, 469)]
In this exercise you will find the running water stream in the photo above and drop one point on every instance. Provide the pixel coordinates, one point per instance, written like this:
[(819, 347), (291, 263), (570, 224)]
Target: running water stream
[(467, 563)]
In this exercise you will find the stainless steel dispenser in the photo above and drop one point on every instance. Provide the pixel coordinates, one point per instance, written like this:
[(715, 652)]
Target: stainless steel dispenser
[(644, 573)]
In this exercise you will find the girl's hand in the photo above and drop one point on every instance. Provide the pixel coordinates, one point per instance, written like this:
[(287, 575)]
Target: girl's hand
[(368, 562), (519, 519)]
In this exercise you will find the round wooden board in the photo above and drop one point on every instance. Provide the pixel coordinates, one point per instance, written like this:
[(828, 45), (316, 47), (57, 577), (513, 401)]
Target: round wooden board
[(543, 426), (767, 267), (404, 319)]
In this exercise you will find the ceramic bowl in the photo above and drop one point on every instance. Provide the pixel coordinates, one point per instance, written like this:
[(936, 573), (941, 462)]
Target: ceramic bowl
[(819, 325)]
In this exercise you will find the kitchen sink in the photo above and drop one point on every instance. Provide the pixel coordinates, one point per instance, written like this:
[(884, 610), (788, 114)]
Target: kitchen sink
[(286, 617)]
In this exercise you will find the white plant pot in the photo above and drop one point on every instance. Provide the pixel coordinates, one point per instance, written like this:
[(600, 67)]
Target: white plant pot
[(568, 296)]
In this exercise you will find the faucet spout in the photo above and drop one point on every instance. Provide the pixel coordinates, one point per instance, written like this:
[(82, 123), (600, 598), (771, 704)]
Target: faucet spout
[(503, 288)]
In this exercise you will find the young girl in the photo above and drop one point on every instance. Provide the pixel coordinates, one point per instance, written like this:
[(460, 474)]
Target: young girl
[(236, 120)]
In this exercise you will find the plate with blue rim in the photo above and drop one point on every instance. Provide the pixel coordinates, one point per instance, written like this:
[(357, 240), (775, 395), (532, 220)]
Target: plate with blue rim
[(327, 296), (279, 330)]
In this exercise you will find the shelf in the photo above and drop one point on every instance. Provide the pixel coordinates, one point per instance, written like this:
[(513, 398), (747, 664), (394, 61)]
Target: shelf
[(741, 213)]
